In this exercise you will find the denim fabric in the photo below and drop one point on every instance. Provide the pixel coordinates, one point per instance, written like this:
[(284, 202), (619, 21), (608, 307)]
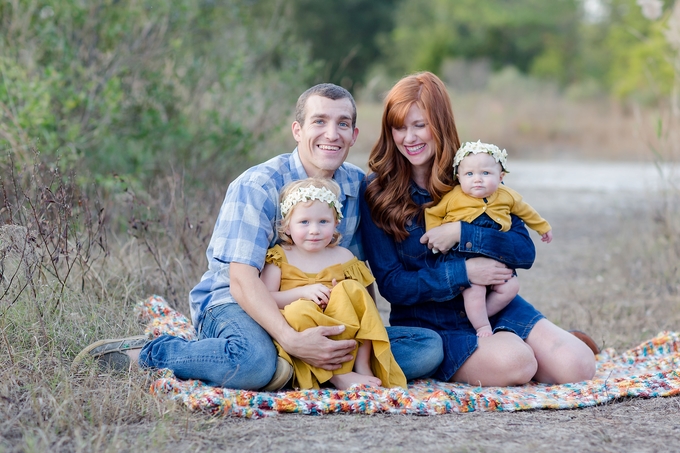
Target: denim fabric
[(234, 351), (459, 338), (424, 289)]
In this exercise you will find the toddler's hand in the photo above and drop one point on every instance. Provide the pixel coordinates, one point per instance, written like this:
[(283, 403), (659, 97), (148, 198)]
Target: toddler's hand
[(317, 293), (547, 237)]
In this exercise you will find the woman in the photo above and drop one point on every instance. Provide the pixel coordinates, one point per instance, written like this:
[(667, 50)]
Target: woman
[(412, 168)]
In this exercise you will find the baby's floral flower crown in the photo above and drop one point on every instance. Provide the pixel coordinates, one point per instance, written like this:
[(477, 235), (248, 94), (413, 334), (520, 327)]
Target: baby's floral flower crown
[(500, 156), (308, 194)]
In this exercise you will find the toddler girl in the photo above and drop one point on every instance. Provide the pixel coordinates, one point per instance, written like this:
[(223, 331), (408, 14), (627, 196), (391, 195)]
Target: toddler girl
[(315, 282)]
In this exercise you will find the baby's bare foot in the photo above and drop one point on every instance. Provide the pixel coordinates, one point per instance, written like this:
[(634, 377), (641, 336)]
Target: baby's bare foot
[(345, 381), (484, 331)]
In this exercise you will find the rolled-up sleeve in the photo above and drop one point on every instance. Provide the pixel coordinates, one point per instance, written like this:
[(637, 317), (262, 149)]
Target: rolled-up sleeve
[(513, 248)]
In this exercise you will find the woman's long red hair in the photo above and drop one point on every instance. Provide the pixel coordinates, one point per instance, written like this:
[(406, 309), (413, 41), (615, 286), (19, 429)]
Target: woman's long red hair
[(388, 193)]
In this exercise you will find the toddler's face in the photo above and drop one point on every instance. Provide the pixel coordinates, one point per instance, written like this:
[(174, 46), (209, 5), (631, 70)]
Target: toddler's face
[(312, 225), (479, 175)]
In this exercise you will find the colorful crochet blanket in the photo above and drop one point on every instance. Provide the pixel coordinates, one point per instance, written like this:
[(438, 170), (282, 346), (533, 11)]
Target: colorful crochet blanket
[(650, 370)]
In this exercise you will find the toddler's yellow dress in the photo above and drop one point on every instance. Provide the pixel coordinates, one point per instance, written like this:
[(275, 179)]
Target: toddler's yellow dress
[(350, 304)]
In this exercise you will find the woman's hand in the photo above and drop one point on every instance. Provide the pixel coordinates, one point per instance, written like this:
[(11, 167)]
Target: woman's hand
[(442, 238), (317, 293), (485, 271)]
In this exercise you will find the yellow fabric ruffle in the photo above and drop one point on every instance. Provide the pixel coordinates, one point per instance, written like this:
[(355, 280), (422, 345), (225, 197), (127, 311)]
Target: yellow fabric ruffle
[(292, 277)]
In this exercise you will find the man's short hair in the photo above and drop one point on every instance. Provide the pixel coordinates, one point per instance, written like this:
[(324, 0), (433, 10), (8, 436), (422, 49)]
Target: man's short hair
[(327, 90)]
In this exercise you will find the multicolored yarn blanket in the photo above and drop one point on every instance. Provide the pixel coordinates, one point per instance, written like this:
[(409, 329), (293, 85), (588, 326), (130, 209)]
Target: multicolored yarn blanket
[(650, 370)]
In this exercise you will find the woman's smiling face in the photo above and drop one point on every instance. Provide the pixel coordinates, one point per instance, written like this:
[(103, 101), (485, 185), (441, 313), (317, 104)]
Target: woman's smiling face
[(414, 140)]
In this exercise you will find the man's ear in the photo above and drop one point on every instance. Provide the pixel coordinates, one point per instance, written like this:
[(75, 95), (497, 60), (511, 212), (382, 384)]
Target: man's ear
[(355, 134), (296, 128)]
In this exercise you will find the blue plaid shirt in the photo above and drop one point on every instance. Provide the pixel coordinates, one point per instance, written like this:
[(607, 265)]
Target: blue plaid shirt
[(246, 225)]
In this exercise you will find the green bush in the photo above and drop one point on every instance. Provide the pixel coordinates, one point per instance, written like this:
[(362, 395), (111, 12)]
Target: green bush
[(135, 87)]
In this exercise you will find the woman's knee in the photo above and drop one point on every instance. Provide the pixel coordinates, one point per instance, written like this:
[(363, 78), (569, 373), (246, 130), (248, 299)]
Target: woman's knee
[(519, 364), (579, 365), (500, 360)]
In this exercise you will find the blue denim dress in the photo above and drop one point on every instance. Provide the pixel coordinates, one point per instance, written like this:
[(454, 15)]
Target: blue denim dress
[(424, 289)]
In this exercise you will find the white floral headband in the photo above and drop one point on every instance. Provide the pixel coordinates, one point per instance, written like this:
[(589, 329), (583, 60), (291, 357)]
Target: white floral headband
[(500, 156), (308, 194)]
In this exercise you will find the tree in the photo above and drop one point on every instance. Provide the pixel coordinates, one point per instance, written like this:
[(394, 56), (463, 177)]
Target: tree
[(134, 86), (342, 35), (518, 33)]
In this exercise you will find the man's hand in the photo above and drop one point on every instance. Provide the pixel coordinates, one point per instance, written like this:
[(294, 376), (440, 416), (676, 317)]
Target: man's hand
[(442, 238), (313, 347), (486, 271)]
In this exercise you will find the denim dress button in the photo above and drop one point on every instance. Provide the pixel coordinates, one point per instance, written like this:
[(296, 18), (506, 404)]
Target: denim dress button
[(462, 314), (468, 245)]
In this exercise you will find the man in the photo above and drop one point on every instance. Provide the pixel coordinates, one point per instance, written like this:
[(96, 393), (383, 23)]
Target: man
[(233, 312)]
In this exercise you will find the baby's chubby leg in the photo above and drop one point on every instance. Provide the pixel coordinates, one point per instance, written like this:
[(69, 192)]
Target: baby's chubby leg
[(475, 308), (501, 295)]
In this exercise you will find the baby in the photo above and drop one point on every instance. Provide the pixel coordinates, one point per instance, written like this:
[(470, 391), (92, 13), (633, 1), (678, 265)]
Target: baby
[(481, 199)]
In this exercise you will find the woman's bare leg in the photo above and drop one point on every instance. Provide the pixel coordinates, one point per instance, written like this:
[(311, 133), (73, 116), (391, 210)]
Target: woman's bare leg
[(561, 357), (500, 360)]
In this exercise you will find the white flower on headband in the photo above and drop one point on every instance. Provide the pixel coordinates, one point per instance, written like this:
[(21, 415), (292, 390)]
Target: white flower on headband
[(500, 156), (308, 194)]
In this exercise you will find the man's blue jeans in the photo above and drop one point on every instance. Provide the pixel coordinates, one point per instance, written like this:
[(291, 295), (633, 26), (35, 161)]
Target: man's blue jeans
[(233, 351)]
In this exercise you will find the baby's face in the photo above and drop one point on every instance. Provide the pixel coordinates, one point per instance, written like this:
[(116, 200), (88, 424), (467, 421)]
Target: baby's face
[(479, 175)]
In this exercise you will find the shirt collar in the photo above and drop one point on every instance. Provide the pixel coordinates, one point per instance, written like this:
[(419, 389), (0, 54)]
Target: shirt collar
[(416, 189)]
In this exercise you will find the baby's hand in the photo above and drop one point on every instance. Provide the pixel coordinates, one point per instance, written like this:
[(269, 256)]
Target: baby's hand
[(317, 293), (547, 237)]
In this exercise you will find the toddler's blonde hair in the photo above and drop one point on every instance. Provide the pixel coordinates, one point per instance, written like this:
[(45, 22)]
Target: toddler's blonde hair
[(301, 184)]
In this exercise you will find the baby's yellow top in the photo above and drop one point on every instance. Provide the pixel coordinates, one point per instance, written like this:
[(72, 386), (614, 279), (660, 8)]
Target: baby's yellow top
[(458, 206)]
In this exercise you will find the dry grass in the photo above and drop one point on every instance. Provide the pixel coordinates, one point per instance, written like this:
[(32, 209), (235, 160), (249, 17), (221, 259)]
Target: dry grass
[(613, 272)]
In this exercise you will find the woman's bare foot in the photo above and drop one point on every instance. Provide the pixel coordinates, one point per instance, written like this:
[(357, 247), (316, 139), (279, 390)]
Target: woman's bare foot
[(345, 381)]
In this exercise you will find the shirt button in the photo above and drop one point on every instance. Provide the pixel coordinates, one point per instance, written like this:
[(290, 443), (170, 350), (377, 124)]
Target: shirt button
[(468, 245)]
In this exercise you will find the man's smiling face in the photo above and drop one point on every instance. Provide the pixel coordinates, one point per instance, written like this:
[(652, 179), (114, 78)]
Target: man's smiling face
[(326, 135)]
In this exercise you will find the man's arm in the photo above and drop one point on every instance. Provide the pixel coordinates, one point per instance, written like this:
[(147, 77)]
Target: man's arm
[(311, 345)]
